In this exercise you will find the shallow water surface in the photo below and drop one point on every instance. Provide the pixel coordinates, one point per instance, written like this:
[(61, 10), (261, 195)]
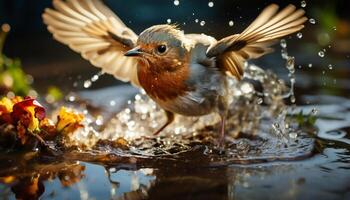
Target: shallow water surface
[(252, 167)]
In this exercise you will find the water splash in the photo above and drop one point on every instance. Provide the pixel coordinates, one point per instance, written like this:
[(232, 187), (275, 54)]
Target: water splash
[(290, 65), (259, 115)]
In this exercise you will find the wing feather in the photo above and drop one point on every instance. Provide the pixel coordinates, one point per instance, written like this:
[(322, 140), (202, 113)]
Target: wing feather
[(256, 40), (93, 30)]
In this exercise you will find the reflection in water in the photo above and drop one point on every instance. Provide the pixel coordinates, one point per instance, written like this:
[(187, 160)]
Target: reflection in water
[(324, 176), (28, 188), (24, 175)]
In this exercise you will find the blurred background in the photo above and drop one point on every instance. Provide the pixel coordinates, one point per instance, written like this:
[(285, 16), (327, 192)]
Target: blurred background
[(322, 49)]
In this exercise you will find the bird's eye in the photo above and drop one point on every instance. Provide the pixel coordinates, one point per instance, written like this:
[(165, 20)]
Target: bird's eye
[(161, 49)]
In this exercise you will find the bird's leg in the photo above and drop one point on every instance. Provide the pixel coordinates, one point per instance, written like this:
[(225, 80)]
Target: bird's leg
[(170, 118), (222, 131), (223, 111)]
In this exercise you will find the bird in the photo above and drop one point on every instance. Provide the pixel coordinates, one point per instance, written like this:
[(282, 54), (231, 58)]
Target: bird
[(185, 74)]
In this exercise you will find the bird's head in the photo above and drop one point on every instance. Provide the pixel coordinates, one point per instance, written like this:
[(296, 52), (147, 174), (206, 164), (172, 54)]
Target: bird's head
[(161, 47)]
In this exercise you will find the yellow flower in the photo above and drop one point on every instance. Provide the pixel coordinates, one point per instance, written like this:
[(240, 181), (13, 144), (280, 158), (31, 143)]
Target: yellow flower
[(6, 108), (5, 105), (68, 120)]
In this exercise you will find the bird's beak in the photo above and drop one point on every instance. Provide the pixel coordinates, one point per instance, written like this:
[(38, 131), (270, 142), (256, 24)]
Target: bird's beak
[(134, 52)]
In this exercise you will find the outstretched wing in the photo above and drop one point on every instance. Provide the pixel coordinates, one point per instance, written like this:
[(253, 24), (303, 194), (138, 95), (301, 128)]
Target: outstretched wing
[(93, 30), (256, 40)]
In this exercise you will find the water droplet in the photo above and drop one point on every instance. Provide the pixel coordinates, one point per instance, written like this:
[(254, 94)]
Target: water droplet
[(292, 99), (310, 65), (196, 20), (284, 53), (87, 84), (211, 4), (312, 21), (99, 120), (334, 28), (231, 23), (276, 125), (260, 101), (95, 78), (290, 64), (299, 35), (247, 88), (202, 23), (283, 43), (112, 103), (303, 4), (293, 135), (168, 21), (330, 66), (321, 54), (176, 2)]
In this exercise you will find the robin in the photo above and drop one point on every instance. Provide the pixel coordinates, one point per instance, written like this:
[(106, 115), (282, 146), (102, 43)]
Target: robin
[(184, 74)]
